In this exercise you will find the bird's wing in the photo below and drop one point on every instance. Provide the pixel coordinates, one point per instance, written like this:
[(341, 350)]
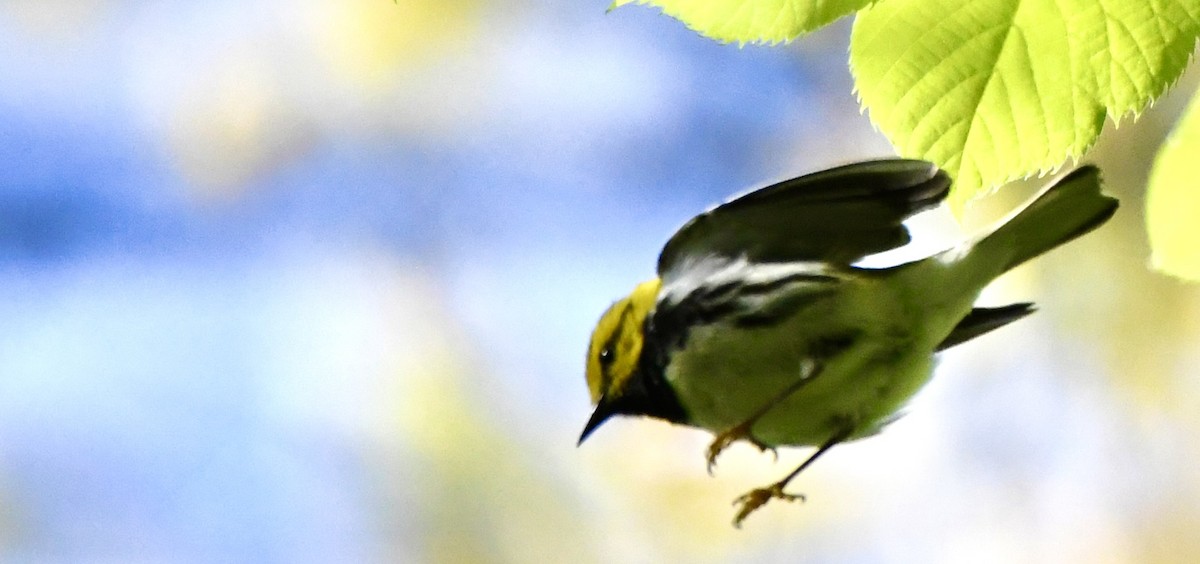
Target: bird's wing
[(836, 216), (735, 296)]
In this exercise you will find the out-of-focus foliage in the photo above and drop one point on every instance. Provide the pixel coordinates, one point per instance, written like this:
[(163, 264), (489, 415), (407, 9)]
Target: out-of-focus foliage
[(994, 90), (1173, 199), (753, 21), (312, 280)]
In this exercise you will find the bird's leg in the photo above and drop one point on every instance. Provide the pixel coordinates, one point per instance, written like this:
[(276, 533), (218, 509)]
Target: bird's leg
[(759, 497), (742, 430)]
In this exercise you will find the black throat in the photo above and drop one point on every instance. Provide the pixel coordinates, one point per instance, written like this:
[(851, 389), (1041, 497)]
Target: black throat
[(649, 393)]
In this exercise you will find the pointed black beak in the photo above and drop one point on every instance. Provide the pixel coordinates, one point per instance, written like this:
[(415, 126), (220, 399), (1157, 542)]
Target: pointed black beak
[(604, 410)]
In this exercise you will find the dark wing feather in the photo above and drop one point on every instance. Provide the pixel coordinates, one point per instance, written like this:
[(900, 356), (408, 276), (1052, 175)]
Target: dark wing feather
[(837, 216), (982, 320)]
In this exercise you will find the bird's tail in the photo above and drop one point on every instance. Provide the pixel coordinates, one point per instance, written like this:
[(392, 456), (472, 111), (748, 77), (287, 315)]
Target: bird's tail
[(1066, 209), (947, 284)]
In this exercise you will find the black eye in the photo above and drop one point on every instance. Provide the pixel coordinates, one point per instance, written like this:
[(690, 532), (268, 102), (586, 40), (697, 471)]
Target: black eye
[(607, 356)]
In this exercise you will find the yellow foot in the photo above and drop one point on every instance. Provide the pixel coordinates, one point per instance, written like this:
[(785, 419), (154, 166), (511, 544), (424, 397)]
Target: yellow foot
[(730, 436), (758, 498)]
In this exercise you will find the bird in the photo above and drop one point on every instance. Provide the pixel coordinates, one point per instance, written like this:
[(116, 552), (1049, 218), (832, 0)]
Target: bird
[(761, 326)]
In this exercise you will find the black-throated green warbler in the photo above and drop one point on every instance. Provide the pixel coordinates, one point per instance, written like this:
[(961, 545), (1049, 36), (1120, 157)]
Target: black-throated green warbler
[(760, 327)]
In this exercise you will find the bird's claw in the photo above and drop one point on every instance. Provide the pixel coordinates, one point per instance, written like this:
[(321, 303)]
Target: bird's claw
[(763, 447), (754, 499), (730, 436), (720, 443)]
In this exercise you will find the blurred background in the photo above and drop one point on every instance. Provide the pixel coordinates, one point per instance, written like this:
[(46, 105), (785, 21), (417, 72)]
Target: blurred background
[(312, 281)]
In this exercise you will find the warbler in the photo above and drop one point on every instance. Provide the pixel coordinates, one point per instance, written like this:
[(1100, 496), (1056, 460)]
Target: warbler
[(761, 327)]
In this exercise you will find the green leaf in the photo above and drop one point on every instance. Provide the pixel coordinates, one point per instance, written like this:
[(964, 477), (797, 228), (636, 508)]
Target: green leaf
[(995, 90), (1145, 47), (1173, 199), (752, 21)]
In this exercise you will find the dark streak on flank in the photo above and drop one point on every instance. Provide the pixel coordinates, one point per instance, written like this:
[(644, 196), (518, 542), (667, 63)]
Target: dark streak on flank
[(772, 285)]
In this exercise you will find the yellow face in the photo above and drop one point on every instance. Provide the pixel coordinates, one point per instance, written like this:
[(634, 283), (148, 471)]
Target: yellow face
[(617, 342)]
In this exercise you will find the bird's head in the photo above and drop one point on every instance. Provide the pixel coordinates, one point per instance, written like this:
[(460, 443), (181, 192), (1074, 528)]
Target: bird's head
[(616, 346)]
